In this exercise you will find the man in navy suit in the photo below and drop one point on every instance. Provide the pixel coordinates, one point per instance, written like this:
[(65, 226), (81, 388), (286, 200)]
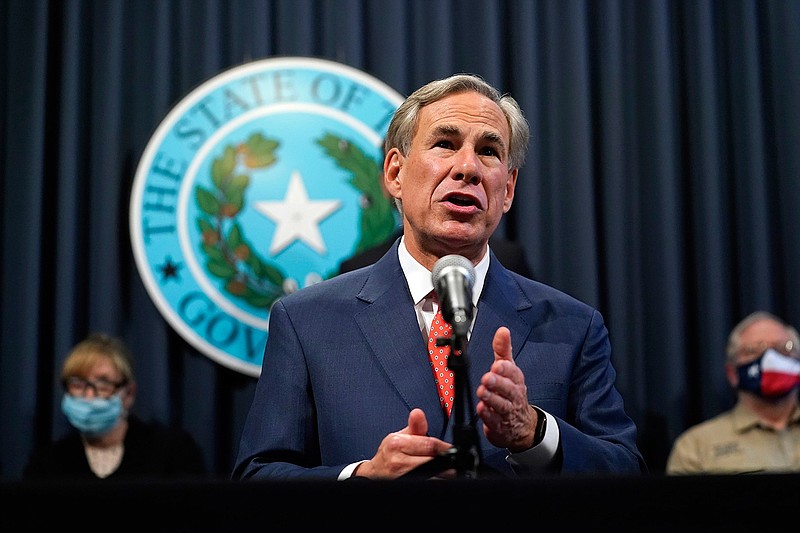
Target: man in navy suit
[(346, 388)]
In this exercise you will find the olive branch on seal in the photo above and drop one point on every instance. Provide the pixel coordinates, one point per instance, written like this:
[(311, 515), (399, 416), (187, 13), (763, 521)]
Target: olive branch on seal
[(230, 256), (376, 219)]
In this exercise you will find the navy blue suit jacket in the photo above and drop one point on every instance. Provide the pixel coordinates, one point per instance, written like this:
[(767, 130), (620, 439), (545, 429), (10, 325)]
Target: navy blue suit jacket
[(345, 363)]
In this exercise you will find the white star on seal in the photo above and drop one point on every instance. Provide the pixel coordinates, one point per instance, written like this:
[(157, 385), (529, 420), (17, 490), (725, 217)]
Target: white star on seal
[(297, 217)]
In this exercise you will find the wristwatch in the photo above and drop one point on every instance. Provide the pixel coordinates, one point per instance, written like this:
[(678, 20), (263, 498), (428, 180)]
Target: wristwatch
[(541, 426)]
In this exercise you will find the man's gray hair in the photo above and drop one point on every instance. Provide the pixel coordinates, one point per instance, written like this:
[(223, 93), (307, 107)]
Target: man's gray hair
[(404, 122), (735, 337)]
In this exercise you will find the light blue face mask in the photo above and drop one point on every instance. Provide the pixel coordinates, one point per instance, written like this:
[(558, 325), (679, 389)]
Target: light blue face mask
[(92, 416)]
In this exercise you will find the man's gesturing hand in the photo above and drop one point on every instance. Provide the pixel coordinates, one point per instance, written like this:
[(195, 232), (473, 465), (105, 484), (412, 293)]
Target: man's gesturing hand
[(509, 421), (404, 450)]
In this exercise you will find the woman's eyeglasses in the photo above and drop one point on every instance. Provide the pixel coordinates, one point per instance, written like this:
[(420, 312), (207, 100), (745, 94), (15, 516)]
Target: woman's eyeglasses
[(102, 388)]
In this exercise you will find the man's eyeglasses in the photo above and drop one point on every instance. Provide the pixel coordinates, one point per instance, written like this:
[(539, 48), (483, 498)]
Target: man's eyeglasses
[(102, 388), (786, 348)]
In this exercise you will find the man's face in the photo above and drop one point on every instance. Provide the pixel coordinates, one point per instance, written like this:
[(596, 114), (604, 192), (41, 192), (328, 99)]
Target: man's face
[(761, 335), (755, 339), (455, 183)]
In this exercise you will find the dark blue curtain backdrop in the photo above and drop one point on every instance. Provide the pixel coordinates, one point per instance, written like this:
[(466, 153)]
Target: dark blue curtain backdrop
[(663, 183)]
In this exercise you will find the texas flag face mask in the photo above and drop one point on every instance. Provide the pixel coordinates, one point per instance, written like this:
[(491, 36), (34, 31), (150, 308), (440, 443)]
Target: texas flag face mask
[(773, 375)]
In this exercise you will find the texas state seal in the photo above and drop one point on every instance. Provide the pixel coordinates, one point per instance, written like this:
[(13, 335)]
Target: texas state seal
[(259, 182)]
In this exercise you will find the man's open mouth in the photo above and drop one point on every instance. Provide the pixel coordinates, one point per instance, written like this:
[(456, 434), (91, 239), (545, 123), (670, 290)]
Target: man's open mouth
[(462, 200)]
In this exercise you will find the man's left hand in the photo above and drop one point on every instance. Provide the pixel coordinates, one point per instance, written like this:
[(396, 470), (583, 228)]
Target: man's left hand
[(509, 421)]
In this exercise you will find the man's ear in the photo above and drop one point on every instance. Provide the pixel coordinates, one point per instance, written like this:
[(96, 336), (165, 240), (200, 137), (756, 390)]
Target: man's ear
[(391, 172), (732, 375), (511, 185)]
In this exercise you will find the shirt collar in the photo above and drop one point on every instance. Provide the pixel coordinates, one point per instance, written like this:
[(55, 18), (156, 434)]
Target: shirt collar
[(744, 418), (419, 278)]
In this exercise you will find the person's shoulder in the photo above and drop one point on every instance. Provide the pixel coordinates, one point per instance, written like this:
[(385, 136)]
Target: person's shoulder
[(370, 255), (164, 449), (709, 428), (539, 291), (536, 299), (342, 288), (693, 447), (365, 258), (339, 287), (501, 244), (66, 443), (53, 458), (156, 431), (512, 255)]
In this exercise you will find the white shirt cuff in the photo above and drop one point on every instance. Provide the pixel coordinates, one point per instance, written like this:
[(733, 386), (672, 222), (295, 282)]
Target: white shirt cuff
[(347, 472), (542, 454)]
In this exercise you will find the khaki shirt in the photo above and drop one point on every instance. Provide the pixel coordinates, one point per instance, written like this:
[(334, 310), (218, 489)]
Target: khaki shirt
[(734, 442)]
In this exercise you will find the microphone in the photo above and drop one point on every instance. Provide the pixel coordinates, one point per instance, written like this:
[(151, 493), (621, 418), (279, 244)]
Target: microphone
[(453, 277)]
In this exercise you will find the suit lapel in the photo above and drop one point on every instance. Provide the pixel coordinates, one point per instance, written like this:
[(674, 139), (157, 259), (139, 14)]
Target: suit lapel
[(390, 326), (502, 303)]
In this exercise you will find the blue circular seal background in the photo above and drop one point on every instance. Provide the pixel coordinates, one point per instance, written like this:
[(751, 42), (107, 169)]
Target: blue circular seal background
[(259, 182)]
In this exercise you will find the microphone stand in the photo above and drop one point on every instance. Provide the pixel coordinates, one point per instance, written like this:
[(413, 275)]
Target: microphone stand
[(465, 455)]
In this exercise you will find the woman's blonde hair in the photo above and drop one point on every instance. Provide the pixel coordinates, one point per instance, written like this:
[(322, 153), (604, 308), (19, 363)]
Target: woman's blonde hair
[(97, 347)]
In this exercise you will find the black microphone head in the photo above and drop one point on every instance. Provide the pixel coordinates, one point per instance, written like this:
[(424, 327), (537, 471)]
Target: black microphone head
[(453, 262)]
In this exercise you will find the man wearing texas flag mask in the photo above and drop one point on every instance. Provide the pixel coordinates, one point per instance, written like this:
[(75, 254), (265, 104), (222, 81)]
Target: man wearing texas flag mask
[(761, 432), (772, 375)]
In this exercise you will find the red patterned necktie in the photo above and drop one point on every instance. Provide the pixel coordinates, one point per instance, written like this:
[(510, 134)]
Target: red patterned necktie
[(438, 357)]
